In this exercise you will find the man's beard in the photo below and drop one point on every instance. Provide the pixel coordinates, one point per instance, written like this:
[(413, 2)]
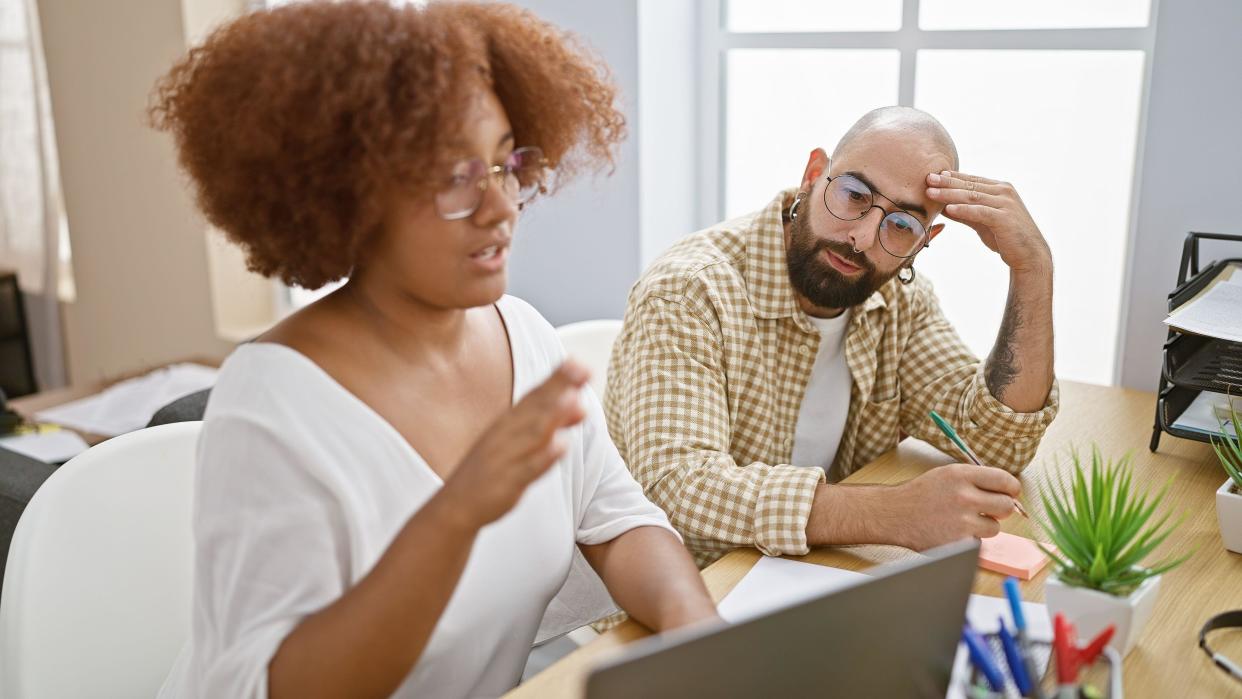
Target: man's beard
[(816, 280)]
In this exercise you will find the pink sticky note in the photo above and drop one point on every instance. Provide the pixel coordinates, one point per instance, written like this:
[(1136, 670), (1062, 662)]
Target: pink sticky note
[(1011, 555)]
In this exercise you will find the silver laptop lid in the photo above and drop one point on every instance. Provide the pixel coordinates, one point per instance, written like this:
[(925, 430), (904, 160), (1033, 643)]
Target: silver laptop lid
[(893, 635)]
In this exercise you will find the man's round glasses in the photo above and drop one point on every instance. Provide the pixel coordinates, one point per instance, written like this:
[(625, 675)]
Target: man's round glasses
[(521, 177), (849, 199)]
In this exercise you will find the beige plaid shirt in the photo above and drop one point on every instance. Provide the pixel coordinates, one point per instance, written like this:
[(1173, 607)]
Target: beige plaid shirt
[(707, 377)]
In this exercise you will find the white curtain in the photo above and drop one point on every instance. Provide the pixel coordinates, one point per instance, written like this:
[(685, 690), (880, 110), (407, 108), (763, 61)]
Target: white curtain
[(33, 233)]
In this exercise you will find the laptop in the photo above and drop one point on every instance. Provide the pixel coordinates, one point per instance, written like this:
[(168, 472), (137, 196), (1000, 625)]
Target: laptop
[(893, 635)]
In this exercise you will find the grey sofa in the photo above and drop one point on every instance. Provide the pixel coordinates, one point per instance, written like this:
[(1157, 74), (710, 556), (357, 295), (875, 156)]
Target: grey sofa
[(20, 477)]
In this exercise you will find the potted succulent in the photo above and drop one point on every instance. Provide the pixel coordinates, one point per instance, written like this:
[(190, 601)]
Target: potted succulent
[(1229, 495), (1101, 531)]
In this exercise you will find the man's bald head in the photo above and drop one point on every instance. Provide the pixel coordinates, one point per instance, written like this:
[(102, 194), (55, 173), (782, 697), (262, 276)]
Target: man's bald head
[(899, 121)]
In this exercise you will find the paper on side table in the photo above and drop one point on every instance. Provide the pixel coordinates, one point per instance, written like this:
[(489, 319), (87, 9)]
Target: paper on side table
[(53, 447), (129, 405)]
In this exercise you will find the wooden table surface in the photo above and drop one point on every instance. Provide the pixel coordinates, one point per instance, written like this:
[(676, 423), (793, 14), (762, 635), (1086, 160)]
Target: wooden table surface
[(1167, 661)]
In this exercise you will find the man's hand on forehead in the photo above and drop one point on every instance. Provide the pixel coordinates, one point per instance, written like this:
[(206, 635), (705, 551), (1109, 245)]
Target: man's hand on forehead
[(996, 213)]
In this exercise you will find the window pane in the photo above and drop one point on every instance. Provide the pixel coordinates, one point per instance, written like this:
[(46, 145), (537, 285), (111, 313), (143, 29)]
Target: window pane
[(1046, 14), (1061, 126), (780, 108), (813, 15)]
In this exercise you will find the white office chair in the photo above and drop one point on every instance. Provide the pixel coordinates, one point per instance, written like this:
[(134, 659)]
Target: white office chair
[(590, 342), (96, 598)]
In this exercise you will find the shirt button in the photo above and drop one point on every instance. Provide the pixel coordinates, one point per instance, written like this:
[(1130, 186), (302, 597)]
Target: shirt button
[(804, 350), (788, 442)]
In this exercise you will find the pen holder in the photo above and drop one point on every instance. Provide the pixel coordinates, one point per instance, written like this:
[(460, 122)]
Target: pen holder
[(1103, 676)]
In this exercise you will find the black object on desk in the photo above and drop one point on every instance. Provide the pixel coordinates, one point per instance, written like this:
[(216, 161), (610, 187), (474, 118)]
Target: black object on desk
[(17, 376), (1194, 363)]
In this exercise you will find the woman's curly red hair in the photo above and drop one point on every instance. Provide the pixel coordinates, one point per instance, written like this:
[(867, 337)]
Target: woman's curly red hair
[(293, 122)]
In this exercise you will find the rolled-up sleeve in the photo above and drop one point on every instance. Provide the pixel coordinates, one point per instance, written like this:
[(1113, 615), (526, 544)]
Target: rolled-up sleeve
[(939, 373)]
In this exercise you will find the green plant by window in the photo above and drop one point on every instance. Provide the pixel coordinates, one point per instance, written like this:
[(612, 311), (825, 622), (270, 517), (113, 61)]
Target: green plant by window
[(1229, 448), (1102, 530)]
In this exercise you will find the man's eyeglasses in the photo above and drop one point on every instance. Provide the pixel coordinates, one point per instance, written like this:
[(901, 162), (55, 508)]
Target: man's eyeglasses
[(849, 199), (521, 177)]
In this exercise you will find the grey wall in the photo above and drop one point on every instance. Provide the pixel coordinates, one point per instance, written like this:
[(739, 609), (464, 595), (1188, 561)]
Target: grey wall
[(1191, 177), (668, 109), (577, 253)]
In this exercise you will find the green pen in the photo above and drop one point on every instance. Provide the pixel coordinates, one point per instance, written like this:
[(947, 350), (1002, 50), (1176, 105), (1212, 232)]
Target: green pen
[(951, 433)]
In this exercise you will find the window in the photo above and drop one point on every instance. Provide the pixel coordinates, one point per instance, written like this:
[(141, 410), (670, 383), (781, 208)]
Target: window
[(32, 222), (1046, 95)]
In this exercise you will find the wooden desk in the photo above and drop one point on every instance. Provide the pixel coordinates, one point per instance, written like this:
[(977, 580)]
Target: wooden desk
[(1167, 661)]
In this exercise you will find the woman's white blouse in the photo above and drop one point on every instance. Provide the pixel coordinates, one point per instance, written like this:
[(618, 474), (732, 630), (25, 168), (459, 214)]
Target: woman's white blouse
[(301, 487)]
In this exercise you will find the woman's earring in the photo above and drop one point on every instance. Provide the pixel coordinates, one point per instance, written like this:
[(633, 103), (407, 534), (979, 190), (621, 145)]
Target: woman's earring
[(903, 278), (793, 208)]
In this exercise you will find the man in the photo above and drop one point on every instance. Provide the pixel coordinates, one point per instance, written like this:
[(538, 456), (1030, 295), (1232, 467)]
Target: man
[(766, 358)]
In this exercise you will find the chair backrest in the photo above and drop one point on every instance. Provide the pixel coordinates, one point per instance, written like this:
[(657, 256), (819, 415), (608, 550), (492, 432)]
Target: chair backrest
[(97, 589), (590, 342)]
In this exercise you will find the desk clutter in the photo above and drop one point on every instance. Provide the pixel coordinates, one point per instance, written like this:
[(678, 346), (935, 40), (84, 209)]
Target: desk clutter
[(996, 658), (1201, 365), (129, 405), (55, 434)]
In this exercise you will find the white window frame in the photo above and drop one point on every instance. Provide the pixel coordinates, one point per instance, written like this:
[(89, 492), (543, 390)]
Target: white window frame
[(716, 40)]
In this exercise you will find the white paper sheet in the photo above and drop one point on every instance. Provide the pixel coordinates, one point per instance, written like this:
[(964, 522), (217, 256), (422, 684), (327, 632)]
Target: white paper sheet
[(776, 583), (1202, 414), (129, 405), (53, 447), (1218, 313)]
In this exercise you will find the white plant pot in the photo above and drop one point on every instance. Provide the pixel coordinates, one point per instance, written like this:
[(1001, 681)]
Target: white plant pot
[(1229, 514), (1091, 611)]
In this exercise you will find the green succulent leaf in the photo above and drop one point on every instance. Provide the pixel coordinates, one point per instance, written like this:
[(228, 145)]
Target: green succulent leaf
[(1228, 447), (1103, 528)]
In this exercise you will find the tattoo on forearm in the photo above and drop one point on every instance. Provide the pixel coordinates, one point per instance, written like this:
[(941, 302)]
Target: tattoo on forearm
[(1002, 366)]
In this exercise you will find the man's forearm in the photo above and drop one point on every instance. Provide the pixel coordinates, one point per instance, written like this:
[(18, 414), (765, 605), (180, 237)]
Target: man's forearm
[(855, 514), (1019, 369)]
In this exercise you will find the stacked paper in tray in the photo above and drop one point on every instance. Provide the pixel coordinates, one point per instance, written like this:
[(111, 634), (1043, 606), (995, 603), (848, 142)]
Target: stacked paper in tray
[(1216, 311)]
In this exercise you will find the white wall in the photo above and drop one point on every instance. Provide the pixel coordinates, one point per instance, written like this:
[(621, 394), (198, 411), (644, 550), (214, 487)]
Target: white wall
[(576, 254), (668, 111), (1191, 176), (140, 265)]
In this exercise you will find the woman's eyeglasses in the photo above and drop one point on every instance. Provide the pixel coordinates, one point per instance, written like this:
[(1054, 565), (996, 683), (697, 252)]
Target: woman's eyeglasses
[(521, 177)]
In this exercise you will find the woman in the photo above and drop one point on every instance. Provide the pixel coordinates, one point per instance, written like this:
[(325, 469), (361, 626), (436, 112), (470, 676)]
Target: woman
[(391, 481)]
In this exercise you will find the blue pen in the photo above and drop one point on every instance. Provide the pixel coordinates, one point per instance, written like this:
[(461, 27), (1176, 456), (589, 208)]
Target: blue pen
[(1013, 656), (1015, 604), (1019, 621), (981, 656)]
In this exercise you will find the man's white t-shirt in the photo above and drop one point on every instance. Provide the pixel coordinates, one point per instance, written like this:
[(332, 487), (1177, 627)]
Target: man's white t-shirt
[(300, 488), (826, 403)]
